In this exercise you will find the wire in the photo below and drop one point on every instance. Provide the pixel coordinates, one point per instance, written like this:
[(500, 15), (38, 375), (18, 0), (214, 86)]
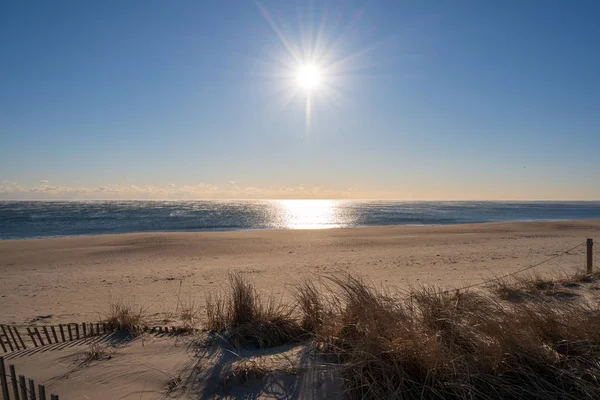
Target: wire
[(521, 270)]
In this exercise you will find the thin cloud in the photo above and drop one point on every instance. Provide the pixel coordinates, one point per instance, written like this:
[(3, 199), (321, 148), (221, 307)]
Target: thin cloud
[(12, 190)]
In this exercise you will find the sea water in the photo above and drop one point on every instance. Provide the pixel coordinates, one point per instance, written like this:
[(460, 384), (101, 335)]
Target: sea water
[(38, 219)]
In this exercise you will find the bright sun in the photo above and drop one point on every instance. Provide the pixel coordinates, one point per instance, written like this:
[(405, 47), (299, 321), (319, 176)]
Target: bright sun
[(309, 77)]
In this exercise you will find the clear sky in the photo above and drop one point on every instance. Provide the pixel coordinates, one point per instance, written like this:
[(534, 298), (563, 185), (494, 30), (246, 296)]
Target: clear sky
[(202, 99)]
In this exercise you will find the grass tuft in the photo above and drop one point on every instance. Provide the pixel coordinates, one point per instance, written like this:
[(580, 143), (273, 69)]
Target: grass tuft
[(530, 287), (311, 306), (244, 317), (576, 278), (189, 313), (97, 352), (127, 317)]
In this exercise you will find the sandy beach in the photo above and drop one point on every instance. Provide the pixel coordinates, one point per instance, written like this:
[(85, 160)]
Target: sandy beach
[(74, 279)]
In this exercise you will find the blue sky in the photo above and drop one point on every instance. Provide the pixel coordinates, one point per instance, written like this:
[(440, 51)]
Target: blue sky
[(188, 99)]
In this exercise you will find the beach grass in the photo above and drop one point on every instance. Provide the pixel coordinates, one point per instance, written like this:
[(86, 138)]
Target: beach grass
[(534, 286), (127, 317), (431, 343), (245, 317)]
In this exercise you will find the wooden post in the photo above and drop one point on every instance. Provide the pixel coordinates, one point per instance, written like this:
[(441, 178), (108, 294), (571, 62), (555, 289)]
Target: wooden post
[(47, 334), (84, 329), (3, 381), (37, 333), (590, 261), (97, 329), (54, 334), (77, 330), (70, 333), (23, 387), (53, 397), (31, 389), (13, 380), (12, 335), (7, 339), (42, 392), (32, 336), (2, 344), (19, 336), (62, 332)]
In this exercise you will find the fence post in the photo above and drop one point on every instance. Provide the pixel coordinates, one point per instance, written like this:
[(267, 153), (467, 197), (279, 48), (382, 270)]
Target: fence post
[(23, 387), (19, 336), (590, 261), (3, 381), (7, 338), (13, 380), (31, 389), (42, 392), (2, 344)]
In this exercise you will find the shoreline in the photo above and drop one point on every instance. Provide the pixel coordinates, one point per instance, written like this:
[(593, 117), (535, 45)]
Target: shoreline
[(225, 230)]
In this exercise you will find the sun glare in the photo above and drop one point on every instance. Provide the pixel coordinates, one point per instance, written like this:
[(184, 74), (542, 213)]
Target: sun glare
[(309, 77), (313, 61)]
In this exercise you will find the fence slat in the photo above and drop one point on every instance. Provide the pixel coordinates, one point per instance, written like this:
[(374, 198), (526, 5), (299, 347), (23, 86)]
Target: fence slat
[(3, 381), (47, 334), (37, 333), (7, 338), (42, 392), (70, 333), (77, 330), (32, 336), (13, 380), (23, 387), (62, 333), (84, 330), (19, 336), (12, 335), (97, 329), (32, 389), (2, 344), (54, 334)]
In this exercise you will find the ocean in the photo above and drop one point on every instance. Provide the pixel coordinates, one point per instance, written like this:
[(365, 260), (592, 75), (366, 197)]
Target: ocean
[(40, 219)]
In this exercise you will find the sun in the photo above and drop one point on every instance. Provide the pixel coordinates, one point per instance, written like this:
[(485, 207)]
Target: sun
[(309, 77)]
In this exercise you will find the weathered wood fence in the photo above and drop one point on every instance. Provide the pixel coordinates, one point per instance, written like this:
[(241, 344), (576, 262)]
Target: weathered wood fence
[(16, 337), (21, 388)]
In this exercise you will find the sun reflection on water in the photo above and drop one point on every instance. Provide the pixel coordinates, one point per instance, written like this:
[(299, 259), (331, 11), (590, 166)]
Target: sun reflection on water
[(309, 214)]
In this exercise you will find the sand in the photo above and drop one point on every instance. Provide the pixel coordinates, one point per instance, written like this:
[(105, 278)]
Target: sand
[(48, 281), (74, 279)]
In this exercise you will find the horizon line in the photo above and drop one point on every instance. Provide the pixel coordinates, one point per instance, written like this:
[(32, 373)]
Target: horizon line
[(316, 199)]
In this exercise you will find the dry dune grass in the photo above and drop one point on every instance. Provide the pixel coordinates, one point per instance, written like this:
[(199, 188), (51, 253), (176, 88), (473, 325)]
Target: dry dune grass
[(244, 317), (431, 343), (127, 317), (434, 344), (532, 286)]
